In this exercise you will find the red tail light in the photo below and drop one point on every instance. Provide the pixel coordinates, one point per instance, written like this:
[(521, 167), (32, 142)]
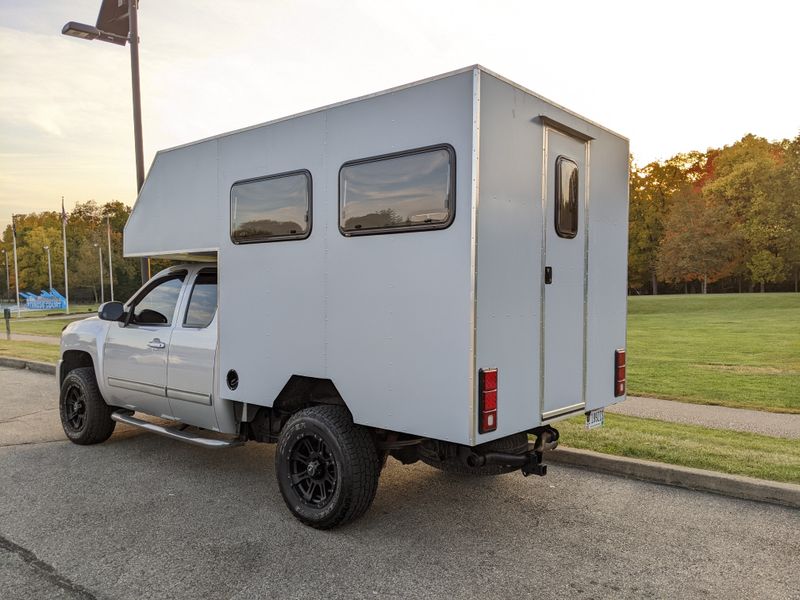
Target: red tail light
[(619, 372), (487, 400)]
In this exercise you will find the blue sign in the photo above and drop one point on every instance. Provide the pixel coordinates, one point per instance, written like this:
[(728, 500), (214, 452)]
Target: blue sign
[(51, 300)]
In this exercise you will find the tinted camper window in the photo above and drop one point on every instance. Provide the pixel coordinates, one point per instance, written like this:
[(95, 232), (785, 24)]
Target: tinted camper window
[(405, 191), (271, 208), (566, 198)]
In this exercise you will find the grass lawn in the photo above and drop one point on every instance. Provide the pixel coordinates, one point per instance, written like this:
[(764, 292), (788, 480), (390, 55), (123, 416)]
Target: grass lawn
[(732, 452), (42, 326), (29, 350), (737, 350)]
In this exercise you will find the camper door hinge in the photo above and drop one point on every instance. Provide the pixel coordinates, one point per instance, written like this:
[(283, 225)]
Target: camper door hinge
[(548, 275)]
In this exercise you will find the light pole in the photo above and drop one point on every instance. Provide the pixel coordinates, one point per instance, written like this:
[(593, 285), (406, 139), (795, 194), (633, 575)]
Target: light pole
[(110, 266), (8, 281), (100, 256), (49, 268), (118, 23)]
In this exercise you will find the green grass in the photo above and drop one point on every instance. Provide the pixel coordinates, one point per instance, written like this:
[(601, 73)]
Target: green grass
[(30, 350), (737, 350), (51, 327), (732, 452)]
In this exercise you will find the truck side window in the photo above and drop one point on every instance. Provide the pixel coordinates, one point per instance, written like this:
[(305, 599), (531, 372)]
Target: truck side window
[(566, 197), (203, 301), (271, 208), (157, 306), (405, 191)]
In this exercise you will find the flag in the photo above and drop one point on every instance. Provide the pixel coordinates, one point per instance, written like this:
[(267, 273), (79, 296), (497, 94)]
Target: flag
[(14, 226), (63, 212)]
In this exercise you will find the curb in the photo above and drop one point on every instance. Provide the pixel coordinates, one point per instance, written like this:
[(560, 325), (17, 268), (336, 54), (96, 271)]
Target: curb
[(735, 486), (31, 365)]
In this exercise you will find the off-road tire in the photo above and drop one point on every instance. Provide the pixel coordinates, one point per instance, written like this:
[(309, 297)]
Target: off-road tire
[(453, 465), (355, 463), (96, 425)]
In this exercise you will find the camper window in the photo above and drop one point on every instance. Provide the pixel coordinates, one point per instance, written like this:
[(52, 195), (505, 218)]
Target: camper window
[(271, 208), (566, 198), (406, 191), (203, 301)]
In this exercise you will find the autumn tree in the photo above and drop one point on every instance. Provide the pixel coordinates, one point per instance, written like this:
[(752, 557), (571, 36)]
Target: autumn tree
[(652, 188), (699, 241), (86, 227), (744, 184), (786, 209)]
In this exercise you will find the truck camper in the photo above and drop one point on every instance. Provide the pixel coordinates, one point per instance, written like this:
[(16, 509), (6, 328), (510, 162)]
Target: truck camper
[(435, 273)]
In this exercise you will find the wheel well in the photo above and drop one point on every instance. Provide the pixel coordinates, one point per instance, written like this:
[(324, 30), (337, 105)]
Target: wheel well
[(301, 391), (74, 359)]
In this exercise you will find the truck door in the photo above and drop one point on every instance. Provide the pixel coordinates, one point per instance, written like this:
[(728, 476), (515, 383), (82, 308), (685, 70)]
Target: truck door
[(564, 286), (135, 353), (192, 353)]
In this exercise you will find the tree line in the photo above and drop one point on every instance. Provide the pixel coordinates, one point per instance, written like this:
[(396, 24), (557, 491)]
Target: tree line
[(727, 219), (86, 226)]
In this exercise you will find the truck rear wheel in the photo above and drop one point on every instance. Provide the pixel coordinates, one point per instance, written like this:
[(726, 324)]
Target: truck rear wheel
[(85, 416), (327, 467)]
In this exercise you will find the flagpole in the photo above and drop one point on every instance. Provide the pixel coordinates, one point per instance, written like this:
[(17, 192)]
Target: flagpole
[(64, 238), (16, 269)]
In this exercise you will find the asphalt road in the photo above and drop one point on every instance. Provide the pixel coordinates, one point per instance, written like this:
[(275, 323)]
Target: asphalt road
[(146, 517)]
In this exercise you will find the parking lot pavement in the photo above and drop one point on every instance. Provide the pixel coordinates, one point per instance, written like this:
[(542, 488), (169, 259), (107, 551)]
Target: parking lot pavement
[(146, 517), (28, 408)]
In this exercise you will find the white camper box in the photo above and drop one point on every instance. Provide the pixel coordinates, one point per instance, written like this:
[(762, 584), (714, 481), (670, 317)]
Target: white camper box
[(401, 322)]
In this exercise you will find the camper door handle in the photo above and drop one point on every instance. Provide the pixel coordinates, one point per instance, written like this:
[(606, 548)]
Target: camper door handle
[(156, 343), (548, 275)]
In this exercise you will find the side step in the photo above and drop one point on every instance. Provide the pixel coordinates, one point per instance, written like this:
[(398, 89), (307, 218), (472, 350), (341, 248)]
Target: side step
[(124, 416)]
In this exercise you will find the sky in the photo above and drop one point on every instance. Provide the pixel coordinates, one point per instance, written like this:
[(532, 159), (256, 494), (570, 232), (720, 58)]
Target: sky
[(671, 76)]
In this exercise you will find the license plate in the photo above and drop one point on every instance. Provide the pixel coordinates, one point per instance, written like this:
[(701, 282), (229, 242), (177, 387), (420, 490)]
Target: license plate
[(595, 418)]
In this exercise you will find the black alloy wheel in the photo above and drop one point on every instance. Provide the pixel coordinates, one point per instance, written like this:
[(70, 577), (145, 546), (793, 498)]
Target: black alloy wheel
[(75, 408), (313, 471)]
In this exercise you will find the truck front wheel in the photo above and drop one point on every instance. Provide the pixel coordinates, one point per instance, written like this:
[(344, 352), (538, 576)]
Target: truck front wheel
[(327, 467), (85, 416)]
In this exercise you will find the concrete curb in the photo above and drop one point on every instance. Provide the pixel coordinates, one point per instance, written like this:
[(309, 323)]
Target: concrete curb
[(31, 365), (736, 486)]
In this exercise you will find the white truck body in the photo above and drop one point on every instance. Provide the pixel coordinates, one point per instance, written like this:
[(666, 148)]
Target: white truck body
[(401, 323)]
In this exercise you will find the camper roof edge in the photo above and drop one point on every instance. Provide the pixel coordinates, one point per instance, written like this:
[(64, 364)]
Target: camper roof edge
[(391, 91)]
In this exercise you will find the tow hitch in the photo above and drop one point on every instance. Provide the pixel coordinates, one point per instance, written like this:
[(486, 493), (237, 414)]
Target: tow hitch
[(529, 461)]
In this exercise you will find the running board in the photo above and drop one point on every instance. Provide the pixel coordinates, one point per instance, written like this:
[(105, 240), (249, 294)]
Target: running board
[(176, 434)]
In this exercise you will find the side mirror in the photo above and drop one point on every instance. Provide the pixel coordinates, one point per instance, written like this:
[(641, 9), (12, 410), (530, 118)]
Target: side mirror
[(111, 311)]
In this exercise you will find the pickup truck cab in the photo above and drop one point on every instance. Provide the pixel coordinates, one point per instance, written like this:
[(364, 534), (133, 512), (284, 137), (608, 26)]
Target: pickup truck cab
[(158, 356)]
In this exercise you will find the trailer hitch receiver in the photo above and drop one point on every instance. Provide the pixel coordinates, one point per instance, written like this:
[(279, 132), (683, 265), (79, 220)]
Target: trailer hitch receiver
[(534, 465)]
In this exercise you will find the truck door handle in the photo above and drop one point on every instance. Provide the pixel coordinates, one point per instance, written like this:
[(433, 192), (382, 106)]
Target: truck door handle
[(548, 275), (156, 343)]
